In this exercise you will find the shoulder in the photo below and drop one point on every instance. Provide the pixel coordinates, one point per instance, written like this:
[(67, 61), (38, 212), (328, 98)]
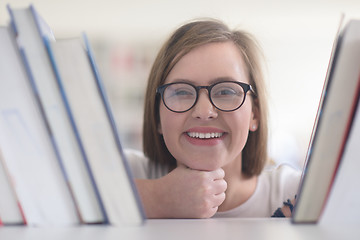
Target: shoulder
[(142, 167), (283, 182), (138, 163), (282, 172)]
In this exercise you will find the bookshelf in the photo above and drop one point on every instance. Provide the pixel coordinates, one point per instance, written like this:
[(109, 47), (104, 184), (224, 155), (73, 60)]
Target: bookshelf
[(209, 229)]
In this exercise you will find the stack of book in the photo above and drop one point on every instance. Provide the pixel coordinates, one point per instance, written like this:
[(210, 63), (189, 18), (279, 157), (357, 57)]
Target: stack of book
[(61, 160)]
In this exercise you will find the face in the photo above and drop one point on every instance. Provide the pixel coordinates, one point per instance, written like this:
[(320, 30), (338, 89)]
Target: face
[(204, 137)]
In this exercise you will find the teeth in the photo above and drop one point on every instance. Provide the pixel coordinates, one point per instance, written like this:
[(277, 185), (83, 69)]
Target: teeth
[(204, 135)]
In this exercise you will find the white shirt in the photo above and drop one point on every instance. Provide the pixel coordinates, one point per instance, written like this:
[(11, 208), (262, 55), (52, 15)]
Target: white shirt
[(274, 186)]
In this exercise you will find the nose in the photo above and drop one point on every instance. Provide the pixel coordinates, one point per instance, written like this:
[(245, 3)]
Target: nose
[(203, 108)]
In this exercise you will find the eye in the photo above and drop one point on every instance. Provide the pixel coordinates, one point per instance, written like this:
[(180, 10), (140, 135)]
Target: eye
[(181, 91), (225, 92)]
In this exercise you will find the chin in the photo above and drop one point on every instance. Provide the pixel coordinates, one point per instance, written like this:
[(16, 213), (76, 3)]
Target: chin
[(205, 166)]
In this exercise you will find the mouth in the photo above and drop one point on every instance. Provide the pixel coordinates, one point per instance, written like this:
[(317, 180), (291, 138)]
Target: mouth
[(209, 135), (205, 136)]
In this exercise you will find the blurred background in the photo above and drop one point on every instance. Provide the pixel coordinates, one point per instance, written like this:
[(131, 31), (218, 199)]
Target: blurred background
[(296, 37)]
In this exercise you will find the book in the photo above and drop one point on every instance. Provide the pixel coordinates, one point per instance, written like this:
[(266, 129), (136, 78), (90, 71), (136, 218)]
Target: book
[(27, 147), (135, 212), (89, 108), (334, 118), (10, 208), (342, 206), (31, 29)]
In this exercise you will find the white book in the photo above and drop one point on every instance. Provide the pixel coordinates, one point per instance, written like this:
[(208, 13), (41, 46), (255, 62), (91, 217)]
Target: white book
[(342, 207), (31, 30), (335, 115), (89, 108), (27, 147)]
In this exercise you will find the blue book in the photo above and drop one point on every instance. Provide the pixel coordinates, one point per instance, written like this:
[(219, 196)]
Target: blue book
[(89, 109), (31, 30), (26, 143)]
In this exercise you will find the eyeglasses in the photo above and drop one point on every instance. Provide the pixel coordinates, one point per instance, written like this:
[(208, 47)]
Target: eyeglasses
[(226, 96)]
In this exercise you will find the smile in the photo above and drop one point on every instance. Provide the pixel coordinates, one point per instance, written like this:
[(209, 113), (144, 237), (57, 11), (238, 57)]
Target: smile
[(204, 135)]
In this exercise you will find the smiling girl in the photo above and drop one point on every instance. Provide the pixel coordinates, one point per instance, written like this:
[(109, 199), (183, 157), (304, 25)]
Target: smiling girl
[(205, 130)]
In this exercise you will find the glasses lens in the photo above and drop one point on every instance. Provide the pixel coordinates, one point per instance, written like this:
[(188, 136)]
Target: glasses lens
[(179, 96), (227, 96)]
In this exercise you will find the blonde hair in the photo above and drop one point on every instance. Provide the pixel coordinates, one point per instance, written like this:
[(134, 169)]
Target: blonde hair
[(182, 41)]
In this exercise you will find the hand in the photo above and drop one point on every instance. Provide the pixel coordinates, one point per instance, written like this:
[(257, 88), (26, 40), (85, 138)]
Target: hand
[(183, 193), (288, 207)]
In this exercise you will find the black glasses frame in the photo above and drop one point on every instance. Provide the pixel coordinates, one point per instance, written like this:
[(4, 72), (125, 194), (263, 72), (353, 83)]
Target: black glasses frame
[(246, 87)]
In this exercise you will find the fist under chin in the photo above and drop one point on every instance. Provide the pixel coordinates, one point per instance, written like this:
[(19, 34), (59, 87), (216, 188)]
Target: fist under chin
[(202, 166)]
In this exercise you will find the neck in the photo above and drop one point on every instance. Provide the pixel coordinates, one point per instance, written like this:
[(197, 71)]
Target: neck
[(240, 187)]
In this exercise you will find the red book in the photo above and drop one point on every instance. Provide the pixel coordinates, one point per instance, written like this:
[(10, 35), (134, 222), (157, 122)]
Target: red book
[(332, 127)]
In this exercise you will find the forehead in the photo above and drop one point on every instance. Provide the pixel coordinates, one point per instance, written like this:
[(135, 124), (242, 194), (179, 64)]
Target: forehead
[(211, 61)]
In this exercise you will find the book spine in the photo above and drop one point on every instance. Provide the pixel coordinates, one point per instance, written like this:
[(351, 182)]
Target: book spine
[(113, 124), (75, 129), (318, 121), (47, 125)]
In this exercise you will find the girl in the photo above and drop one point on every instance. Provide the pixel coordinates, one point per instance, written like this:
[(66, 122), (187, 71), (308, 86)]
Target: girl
[(205, 130)]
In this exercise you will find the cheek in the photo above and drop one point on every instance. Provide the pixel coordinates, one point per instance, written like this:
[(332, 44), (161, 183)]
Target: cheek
[(164, 119), (243, 118), (241, 131), (169, 124), (240, 124)]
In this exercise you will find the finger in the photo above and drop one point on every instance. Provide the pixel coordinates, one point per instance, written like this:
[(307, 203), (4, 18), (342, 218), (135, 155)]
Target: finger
[(219, 186), (217, 174), (219, 199), (213, 211)]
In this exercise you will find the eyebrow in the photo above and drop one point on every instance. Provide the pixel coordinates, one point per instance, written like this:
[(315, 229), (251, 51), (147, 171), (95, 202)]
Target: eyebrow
[(215, 80)]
